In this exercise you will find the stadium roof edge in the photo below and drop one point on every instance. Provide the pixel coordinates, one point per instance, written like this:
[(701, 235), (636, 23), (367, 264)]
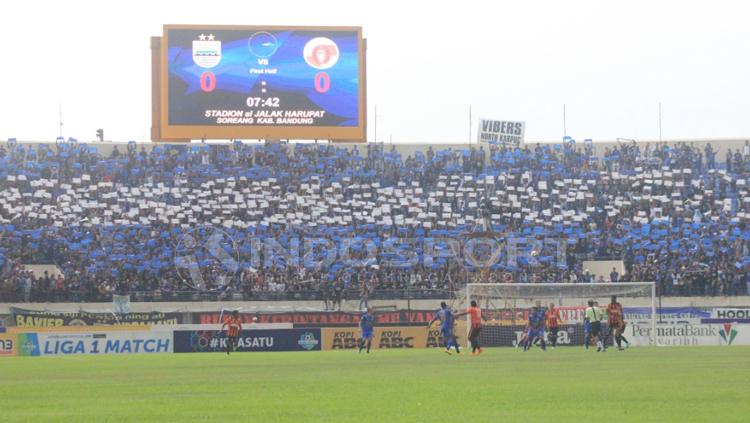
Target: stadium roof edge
[(409, 143)]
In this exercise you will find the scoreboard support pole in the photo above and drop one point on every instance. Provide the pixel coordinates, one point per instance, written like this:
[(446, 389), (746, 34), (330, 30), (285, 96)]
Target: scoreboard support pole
[(155, 88), (156, 93)]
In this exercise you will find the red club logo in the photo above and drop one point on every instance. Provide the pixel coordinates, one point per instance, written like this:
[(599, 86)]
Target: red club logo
[(321, 53)]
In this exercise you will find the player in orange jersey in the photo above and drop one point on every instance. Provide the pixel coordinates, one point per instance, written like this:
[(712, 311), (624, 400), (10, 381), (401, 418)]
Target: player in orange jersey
[(234, 326), (616, 322), (475, 320), (552, 321)]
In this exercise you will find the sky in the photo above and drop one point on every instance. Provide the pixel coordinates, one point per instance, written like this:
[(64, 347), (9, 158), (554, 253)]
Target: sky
[(428, 63)]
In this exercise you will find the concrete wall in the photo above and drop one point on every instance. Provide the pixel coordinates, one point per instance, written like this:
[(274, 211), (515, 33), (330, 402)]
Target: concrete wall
[(720, 145), (39, 269), (351, 305), (604, 267)]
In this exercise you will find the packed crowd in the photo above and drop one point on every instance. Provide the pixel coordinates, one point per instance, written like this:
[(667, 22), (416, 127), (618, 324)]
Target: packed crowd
[(249, 220)]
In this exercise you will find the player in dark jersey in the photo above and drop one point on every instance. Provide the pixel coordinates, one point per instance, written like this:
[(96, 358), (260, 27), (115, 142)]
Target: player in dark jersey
[(536, 327), (586, 332), (616, 321), (366, 324), (234, 326), (445, 315)]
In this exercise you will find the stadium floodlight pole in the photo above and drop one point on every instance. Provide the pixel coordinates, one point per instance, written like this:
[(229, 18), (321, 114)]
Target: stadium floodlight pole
[(59, 109), (660, 122), (653, 315), (469, 124), (565, 122)]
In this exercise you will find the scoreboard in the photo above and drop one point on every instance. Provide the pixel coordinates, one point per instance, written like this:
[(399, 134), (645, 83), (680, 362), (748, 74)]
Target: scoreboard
[(227, 82)]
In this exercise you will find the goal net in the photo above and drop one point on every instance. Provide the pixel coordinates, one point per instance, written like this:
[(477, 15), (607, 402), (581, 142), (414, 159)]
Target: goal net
[(506, 308)]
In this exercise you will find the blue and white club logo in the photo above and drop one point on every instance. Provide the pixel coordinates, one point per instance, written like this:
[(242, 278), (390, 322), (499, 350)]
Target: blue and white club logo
[(206, 51), (307, 341)]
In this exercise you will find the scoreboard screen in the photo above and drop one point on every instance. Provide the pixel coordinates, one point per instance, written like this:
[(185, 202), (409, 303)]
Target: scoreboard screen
[(262, 82)]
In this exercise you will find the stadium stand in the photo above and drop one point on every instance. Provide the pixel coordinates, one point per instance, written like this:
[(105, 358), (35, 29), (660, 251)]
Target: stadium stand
[(139, 221)]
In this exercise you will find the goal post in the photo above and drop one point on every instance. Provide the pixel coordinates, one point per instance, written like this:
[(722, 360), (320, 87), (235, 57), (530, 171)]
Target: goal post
[(506, 307)]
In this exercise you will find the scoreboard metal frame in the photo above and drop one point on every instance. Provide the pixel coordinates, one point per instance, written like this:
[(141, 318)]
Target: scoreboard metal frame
[(161, 130)]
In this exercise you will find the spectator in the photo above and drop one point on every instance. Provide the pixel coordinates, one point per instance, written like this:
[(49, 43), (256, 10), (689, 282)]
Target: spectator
[(122, 222), (729, 160), (613, 275), (363, 296)]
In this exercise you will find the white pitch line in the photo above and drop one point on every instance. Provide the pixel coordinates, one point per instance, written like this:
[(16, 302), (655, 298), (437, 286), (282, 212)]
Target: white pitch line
[(65, 357)]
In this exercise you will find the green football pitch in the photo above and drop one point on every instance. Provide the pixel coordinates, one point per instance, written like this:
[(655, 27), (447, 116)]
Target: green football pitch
[(702, 384)]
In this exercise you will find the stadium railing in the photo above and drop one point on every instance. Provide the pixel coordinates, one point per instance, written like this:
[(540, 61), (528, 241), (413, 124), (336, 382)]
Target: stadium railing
[(182, 296)]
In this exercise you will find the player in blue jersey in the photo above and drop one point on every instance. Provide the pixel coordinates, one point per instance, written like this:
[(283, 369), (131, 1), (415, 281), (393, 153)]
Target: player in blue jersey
[(445, 315), (536, 327), (366, 324), (586, 333)]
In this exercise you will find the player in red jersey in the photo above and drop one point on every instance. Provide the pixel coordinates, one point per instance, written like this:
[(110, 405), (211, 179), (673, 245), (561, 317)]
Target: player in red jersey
[(552, 321), (475, 320), (616, 322), (234, 326)]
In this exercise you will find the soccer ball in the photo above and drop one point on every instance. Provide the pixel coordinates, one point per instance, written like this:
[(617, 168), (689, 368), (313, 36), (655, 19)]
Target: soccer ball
[(255, 319)]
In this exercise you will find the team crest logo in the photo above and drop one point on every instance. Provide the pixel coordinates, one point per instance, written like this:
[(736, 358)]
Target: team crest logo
[(203, 341), (206, 51), (29, 344), (307, 341), (321, 53), (263, 44), (728, 333)]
